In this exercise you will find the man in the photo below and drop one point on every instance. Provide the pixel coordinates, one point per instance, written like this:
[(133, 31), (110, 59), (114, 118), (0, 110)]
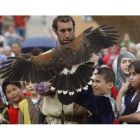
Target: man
[(7, 50), (108, 60), (64, 28), (16, 48), (11, 37), (132, 48), (20, 24)]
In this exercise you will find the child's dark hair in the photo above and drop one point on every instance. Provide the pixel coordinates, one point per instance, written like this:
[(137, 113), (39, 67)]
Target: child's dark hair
[(5, 84), (136, 65), (108, 74)]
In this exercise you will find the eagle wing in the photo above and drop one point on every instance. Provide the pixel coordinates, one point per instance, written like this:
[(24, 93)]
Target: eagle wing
[(70, 67), (30, 68), (86, 44)]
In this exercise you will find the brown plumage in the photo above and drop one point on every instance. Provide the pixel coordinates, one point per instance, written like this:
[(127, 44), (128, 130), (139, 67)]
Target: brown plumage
[(70, 66)]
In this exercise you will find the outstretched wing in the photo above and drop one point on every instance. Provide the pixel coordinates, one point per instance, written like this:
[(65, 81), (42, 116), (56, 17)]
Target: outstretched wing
[(30, 68), (90, 41), (70, 66)]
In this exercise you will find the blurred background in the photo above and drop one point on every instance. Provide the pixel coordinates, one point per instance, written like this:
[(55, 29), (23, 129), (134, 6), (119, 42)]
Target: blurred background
[(34, 35)]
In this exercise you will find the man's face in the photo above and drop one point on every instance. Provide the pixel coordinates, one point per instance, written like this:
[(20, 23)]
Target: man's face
[(65, 32), (100, 87), (14, 93), (16, 49)]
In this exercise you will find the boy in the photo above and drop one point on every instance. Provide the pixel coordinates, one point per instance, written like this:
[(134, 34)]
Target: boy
[(13, 91), (99, 101), (29, 107)]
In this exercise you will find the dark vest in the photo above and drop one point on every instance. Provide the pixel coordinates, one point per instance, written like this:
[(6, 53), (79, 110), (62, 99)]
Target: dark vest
[(128, 104)]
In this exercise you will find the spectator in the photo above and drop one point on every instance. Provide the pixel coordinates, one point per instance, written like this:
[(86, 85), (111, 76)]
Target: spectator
[(30, 116), (128, 98), (1, 50), (20, 23), (1, 20), (11, 37), (138, 55), (14, 93), (132, 48), (16, 48), (3, 58), (7, 50), (4, 119), (123, 63), (105, 52), (114, 66), (126, 40), (108, 60), (137, 46), (1, 40), (36, 51)]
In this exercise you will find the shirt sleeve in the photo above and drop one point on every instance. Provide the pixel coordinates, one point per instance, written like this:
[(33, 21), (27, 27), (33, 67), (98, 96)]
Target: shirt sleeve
[(123, 105), (87, 100), (20, 117)]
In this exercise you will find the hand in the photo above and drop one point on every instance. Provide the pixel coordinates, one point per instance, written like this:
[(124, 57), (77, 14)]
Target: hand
[(124, 87)]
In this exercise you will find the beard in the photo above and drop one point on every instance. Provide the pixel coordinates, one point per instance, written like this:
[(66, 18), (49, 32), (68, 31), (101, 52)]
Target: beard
[(62, 41)]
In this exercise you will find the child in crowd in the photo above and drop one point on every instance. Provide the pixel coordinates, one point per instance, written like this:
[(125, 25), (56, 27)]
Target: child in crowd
[(14, 93), (128, 98), (123, 63), (29, 107), (99, 101)]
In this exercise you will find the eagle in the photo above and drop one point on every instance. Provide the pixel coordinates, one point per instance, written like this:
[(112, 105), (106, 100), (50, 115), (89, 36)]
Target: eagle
[(70, 68)]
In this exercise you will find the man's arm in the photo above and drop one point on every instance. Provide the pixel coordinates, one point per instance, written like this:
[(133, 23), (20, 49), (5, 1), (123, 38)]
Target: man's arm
[(135, 117)]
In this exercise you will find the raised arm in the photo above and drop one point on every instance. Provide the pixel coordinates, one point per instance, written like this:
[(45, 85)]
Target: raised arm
[(121, 93)]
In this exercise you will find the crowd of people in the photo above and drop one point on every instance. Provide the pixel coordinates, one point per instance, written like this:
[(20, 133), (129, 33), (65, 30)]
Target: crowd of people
[(113, 97)]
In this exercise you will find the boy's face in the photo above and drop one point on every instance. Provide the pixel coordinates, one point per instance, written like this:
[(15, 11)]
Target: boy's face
[(14, 93), (100, 87), (30, 88)]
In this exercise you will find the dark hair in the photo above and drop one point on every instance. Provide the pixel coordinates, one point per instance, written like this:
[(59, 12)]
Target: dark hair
[(108, 74), (136, 65), (5, 84), (62, 19), (36, 51), (17, 43)]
